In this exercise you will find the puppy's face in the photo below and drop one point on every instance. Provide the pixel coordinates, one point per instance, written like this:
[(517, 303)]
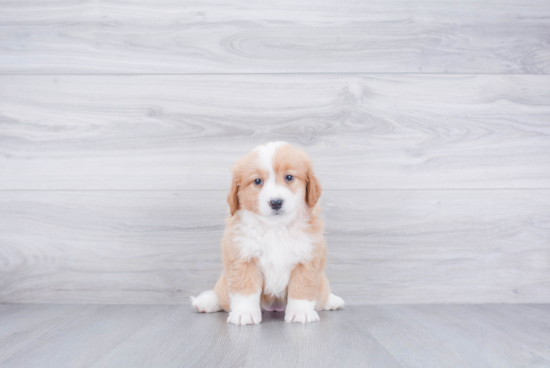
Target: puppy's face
[(274, 181)]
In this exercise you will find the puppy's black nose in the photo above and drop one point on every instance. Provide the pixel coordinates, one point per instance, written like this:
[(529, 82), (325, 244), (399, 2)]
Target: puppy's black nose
[(276, 204)]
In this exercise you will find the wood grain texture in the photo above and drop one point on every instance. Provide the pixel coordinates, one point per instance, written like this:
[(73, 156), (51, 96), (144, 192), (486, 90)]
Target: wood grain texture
[(363, 132), (392, 246), (119, 121), (440, 336), (305, 36)]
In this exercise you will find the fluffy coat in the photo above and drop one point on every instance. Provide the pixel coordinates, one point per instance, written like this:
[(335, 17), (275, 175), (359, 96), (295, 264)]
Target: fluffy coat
[(273, 248)]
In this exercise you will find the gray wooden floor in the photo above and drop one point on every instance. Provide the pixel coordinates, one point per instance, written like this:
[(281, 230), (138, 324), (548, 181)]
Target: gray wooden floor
[(359, 336)]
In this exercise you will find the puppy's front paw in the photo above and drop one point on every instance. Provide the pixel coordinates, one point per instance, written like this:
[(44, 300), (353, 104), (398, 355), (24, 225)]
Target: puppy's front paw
[(245, 309), (301, 311), (244, 318), (302, 317)]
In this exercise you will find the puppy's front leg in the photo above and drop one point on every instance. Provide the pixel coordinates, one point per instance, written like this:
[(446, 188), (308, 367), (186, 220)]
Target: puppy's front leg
[(244, 283), (302, 294)]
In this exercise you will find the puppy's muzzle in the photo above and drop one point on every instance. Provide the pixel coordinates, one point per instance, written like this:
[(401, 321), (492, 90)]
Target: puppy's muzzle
[(276, 204)]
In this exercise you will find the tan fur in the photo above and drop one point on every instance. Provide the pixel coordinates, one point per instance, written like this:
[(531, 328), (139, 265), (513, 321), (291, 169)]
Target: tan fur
[(223, 295), (313, 189), (243, 193), (233, 197), (239, 276), (324, 292), (294, 161), (307, 280), (306, 277)]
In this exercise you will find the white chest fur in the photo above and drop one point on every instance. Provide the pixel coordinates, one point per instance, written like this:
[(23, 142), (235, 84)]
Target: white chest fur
[(277, 247)]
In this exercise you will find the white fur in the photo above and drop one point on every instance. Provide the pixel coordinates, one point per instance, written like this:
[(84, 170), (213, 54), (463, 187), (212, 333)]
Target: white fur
[(245, 310), (301, 311), (278, 247), (206, 302), (334, 302)]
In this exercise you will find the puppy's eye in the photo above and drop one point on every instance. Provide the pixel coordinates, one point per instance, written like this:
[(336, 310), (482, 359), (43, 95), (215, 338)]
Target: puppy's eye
[(289, 178), (258, 181)]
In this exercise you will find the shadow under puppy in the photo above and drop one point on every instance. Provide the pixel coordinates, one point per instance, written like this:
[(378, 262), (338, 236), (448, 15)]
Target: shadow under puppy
[(273, 247)]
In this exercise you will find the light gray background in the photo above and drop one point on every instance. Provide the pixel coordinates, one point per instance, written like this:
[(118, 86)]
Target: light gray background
[(428, 123)]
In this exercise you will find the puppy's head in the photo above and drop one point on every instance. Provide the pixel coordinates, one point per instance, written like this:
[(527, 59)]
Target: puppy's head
[(274, 180)]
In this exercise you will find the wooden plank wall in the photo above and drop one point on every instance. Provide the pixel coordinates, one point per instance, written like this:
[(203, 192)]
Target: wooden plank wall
[(428, 123)]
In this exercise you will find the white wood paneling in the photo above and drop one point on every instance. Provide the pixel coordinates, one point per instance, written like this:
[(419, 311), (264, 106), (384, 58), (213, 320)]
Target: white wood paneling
[(428, 122), (391, 246), (172, 36), (363, 132)]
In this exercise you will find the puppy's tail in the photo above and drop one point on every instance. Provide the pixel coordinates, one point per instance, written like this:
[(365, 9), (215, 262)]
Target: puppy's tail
[(206, 302)]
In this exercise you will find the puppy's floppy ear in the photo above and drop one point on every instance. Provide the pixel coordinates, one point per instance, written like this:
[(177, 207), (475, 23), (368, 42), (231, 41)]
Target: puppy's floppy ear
[(233, 197), (313, 188)]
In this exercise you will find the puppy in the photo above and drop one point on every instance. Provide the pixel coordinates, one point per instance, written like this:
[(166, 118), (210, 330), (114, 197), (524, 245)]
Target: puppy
[(273, 248)]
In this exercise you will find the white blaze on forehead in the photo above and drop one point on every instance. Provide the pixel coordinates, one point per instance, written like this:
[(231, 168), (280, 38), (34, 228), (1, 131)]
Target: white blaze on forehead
[(266, 152), (271, 189)]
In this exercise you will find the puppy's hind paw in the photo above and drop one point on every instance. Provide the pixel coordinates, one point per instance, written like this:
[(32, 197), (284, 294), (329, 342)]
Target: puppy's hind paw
[(334, 302), (206, 302)]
